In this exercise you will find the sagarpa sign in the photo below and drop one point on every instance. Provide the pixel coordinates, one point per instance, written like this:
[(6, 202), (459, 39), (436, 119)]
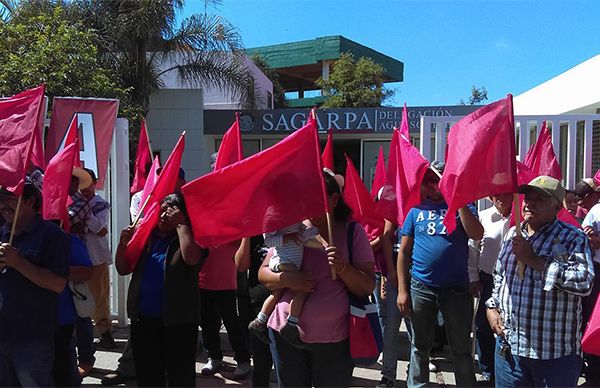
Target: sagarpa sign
[(96, 121)]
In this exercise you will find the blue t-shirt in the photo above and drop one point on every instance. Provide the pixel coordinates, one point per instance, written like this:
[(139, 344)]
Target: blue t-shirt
[(153, 278), (29, 312), (439, 259), (80, 258)]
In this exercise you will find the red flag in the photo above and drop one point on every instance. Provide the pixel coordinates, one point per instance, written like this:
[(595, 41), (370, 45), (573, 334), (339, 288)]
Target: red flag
[(404, 125), (57, 180), (18, 123), (357, 197), (379, 178), (165, 184), (230, 150), (142, 233), (402, 189), (275, 188), (481, 158), (38, 158), (143, 158), (327, 156), (541, 158), (72, 137), (150, 180)]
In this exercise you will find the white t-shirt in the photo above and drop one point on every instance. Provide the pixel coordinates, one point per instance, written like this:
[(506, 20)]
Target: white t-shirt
[(484, 253), (98, 245), (592, 219)]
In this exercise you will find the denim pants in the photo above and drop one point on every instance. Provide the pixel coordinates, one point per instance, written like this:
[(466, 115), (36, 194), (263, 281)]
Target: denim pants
[(27, 364), (84, 332), (486, 342), (456, 305), (516, 371), (381, 307), (391, 334)]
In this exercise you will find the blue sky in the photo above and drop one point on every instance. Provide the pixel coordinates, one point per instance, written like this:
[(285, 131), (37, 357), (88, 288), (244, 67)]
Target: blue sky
[(446, 46)]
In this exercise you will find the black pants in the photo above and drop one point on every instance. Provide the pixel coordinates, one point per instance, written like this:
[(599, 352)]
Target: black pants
[(164, 355), (321, 365), (64, 370), (214, 306)]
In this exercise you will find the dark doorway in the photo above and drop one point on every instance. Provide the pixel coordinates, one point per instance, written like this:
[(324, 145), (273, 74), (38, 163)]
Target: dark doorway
[(351, 147)]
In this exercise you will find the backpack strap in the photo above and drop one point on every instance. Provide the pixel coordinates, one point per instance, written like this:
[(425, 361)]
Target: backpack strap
[(350, 240)]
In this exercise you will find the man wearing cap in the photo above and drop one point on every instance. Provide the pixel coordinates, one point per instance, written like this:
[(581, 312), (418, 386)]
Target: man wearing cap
[(33, 271), (438, 280), (536, 310)]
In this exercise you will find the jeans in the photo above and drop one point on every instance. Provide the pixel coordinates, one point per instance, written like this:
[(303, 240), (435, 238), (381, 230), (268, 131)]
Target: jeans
[(486, 342), (456, 306), (217, 305), (516, 371), (64, 371), (27, 364), (164, 355), (391, 334), (84, 332), (381, 306), (320, 365)]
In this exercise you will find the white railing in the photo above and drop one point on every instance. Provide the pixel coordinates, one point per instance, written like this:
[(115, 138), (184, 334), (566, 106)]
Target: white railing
[(569, 153)]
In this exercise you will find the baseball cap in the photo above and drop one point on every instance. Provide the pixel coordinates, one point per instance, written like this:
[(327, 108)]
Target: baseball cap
[(545, 185)]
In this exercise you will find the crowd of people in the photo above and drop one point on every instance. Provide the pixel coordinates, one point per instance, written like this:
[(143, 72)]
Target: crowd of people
[(530, 289)]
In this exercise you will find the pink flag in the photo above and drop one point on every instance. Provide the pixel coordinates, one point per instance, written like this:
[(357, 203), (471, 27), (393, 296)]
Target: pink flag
[(541, 158), (230, 150), (327, 156), (481, 158), (402, 189), (19, 118), (379, 178), (360, 201), (150, 180), (404, 125), (143, 158), (57, 180), (277, 187), (165, 185)]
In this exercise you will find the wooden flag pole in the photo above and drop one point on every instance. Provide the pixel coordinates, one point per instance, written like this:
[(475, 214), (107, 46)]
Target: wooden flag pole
[(139, 215), (517, 213), (15, 218), (148, 138)]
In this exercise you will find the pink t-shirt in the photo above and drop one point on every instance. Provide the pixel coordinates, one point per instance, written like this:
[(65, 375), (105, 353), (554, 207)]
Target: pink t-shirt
[(324, 318), (218, 272)]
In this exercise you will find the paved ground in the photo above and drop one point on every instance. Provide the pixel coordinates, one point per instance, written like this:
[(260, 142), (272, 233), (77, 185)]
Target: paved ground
[(363, 377)]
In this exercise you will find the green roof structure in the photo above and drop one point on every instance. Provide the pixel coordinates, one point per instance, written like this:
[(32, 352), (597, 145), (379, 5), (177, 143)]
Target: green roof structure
[(300, 64)]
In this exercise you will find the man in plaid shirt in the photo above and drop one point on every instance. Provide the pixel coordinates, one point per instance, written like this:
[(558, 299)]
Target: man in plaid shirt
[(536, 312)]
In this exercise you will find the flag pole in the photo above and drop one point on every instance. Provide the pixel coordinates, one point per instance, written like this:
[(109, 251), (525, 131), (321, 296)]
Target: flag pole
[(329, 217), (517, 213), (16, 217), (148, 139), (139, 215)]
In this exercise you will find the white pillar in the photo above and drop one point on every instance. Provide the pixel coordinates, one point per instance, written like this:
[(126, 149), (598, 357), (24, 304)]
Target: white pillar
[(571, 153), (425, 140)]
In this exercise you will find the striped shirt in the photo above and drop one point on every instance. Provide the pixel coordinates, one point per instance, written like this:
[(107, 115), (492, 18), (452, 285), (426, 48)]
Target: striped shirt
[(542, 312), (291, 251)]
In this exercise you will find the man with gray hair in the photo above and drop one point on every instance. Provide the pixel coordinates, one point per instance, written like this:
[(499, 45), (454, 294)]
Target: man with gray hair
[(543, 271)]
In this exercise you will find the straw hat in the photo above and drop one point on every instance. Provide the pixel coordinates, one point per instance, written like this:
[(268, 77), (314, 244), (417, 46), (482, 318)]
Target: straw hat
[(85, 179)]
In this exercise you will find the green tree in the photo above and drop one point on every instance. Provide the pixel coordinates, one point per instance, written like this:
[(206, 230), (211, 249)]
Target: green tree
[(53, 50), (478, 95), (278, 92), (354, 83)]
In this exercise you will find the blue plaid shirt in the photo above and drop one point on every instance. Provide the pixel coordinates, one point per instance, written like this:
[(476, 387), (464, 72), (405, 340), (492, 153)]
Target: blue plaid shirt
[(542, 312)]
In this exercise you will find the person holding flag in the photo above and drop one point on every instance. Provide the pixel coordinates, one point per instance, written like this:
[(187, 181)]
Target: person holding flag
[(323, 324), (438, 281), (163, 298), (558, 271), (34, 266)]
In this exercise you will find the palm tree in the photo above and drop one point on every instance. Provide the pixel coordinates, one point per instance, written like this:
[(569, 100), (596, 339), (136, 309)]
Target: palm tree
[(141, 38), (7, 8)]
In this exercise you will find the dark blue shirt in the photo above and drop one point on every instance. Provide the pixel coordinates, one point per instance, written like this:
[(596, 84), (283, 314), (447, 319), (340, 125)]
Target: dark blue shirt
[(439, 259), (153, 278), (28, 312), (80, 258)]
